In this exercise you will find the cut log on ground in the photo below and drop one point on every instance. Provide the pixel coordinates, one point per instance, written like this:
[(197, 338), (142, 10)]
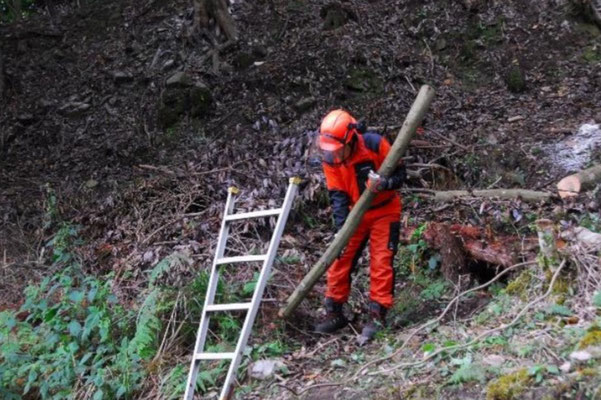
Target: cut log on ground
[(453, 260), (413, 120), (572, 185), (505, 194)]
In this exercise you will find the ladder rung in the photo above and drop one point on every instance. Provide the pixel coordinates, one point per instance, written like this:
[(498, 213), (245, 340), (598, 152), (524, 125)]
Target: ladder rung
[(214, 356), (253, 214), (228, 307), (239, 259)]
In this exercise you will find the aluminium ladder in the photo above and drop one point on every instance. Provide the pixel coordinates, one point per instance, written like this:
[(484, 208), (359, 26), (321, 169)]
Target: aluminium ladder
[(253, 306)]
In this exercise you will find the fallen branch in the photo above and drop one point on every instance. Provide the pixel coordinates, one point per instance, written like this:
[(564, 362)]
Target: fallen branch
[(413, 120), (449, 140), (506, 194), (572, 185), (483, 334)]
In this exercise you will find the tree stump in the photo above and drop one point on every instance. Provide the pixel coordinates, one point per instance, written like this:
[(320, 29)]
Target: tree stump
[(453, 259), (207, 10)]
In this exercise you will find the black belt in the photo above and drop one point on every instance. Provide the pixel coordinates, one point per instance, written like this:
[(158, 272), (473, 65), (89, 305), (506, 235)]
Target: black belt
[(382, 204)]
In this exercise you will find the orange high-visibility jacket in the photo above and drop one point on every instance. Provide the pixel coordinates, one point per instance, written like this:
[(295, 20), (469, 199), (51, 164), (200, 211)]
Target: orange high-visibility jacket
[(347, 181)]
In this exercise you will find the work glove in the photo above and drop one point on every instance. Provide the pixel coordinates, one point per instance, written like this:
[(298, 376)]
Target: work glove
[(376, 183)]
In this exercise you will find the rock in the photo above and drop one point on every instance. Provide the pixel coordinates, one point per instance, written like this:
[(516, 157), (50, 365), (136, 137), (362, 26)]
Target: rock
[(168, 64), (122, 76), (200, 100), (494, 360), (25, 118), (565, 367), (441, 44), (74, 108), (92, 183), (265, 369), (243, 60), (148, 256), (581, 355), (305, 104), (361, 79), (179, 79), (177, 101), (335, 16)]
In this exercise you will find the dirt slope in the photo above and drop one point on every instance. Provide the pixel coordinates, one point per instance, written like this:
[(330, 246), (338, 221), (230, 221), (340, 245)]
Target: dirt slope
[(82, 138)]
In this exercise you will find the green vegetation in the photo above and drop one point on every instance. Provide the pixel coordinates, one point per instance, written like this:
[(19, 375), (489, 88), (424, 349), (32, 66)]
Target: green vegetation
[(508, 387), (11, 10), (591, 338), (73, 336), (519, 285), (592, 54), (514, 77)]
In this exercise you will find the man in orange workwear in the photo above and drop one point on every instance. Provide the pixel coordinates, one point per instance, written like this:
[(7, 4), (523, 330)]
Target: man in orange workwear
[(350, 157)]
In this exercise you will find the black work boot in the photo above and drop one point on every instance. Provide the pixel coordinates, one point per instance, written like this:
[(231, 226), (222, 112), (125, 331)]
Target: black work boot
[(334, 319), (377, 321)]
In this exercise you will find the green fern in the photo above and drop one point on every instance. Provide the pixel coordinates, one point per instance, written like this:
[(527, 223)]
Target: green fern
[(148, 326), (176, 259), (174, 383)]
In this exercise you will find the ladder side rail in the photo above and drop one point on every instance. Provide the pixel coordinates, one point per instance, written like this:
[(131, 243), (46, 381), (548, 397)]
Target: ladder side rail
[(261, 283), (209, 297)]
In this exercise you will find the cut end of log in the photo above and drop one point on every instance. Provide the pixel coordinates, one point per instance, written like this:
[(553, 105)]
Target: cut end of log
[(569, 186)]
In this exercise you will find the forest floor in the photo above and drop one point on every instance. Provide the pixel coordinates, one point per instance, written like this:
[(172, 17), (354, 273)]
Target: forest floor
[(102, 163)]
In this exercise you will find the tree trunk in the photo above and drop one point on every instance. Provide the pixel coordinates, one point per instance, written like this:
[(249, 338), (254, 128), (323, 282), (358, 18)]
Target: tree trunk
[(572, 185), (204, 10), (526, 195), (596, 10), (413, 120)]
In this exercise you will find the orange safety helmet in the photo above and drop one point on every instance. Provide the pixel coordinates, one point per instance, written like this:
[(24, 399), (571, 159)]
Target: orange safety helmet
[(337, 129)]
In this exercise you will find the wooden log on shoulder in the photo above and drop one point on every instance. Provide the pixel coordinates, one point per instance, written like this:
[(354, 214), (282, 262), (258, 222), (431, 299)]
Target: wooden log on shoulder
[(572, 185), (413, 120), (505, 194)]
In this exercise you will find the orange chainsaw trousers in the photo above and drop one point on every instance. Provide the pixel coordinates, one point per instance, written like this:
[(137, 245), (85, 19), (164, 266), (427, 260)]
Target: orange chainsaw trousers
[(380, 227)]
